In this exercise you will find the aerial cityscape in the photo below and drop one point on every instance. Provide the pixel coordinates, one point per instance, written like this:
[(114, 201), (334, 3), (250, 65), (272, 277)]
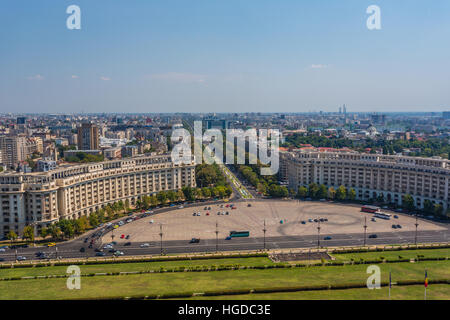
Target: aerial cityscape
[(215, 159)]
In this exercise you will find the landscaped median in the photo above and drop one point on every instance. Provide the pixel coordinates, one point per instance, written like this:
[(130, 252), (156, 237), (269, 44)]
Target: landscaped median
[(242, 277)]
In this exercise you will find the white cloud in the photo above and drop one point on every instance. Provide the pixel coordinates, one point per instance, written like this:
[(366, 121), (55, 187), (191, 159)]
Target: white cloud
[(319, 66), (105, 78), (36, 77), (179, 77)]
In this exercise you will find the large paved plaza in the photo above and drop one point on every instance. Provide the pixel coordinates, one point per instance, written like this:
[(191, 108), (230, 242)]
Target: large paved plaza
[(180, 224)]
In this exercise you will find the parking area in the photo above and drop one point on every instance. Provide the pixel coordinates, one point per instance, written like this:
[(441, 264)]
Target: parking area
[(282, 218)]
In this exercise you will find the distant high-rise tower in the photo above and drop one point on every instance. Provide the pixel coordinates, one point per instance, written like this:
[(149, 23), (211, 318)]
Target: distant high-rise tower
[(345, 109), (88, 137), (340, 110)]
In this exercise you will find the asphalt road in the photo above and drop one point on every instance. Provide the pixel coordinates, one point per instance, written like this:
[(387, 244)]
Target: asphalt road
[(71, 249)]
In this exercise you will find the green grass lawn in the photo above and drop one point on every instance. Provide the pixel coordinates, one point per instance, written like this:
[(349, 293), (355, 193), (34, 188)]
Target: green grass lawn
[(405, 254), (129, 267), (165, 283), (434, 292)]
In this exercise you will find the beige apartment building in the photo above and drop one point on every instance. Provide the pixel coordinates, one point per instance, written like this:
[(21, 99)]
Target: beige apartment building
[(371, 175), (41, 198)]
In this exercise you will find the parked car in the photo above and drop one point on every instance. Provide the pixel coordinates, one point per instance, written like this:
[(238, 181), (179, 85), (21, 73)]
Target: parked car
[(373, 219), (122, 236), (194, 240), (399, 226), (373, 236), (118, 253), (51, 244), (249, 205), (127, 244), (145, 245), (127, 237), (395, 217), (394, 226), (228, 238), (82, 249), (327, 238), (303, 222), (2, 250), (100, 254)]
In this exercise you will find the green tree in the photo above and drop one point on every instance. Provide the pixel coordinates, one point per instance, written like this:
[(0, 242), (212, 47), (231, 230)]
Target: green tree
[(408, 202), (302, 192), (206, 192), (44, 232), (313, 189), (341, 193), (189, 194), (428, 206), (351, 194), (162, 197), (322, 193), (171, 195), (28, 233), (438, 209), (12, 236), (331, 193)]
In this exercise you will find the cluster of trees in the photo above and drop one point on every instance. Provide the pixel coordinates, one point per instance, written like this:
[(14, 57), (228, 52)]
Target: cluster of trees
[(425, 148), (208, 175), (428, 206), (83, 157), (267, 185), (316, 191), (185, 194)]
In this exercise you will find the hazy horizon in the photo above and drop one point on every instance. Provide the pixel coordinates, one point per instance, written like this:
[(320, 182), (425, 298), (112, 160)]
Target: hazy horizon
[(230, 56)]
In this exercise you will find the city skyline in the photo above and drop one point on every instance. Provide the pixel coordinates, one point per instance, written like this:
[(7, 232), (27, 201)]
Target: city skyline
[(217, 56)]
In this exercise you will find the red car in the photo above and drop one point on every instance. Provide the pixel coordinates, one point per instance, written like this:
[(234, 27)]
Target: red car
[(207, 213), (233, 208), (122, 236)]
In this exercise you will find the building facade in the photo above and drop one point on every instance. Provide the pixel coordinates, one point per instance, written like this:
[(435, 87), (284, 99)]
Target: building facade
[(371, 175), (41, 198), (88, 137)]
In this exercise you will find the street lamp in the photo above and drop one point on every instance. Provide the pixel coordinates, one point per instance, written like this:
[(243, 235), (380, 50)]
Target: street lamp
[(217, 237), (264, 230), (365, 229), (318, 233), (161, 236), (416, 224)]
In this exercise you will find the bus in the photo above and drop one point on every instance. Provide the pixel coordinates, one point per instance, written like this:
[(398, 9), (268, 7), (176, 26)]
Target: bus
[(370, 209), (236, 234), (383, 215)]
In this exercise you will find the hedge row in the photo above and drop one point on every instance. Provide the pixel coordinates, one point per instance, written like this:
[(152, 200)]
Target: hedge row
[(338, 251), (228, 292), (158, 259), (229, 267)]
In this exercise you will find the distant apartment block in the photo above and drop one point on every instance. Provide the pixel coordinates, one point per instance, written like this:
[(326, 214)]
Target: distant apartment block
[(88, 137)]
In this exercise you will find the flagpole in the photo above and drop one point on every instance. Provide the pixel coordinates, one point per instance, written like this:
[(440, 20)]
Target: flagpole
[(390, 281)]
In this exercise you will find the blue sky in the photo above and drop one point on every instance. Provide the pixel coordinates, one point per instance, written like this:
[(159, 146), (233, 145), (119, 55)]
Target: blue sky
[(224, 55)]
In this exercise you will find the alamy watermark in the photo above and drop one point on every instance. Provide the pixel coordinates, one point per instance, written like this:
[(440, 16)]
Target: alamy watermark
[(209, 145), (74, 278)]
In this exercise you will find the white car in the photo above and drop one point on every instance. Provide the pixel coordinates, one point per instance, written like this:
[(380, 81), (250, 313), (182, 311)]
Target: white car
[(129, 220), (2, 250), (118, 253), (151, 221), (145, 245), (180, 207)]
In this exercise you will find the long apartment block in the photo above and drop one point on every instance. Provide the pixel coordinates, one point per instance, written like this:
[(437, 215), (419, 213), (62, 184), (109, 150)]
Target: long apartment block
[(70, 192), (371, 175)]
